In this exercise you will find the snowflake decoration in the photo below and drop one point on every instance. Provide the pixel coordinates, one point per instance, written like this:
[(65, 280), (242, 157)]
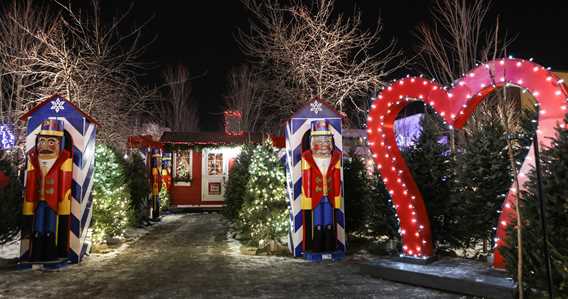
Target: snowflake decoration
[(316, 107), (57, 105)]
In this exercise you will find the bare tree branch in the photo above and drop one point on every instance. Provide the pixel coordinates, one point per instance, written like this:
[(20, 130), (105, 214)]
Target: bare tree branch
[(177, 109), (313, 52), (246, 94), (73, 53)]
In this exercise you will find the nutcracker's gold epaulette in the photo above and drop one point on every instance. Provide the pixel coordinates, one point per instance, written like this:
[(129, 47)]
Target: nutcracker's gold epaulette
[(64, 207), (67, 166), (337, 202), (306, 203), (305, 164), (28, 208)]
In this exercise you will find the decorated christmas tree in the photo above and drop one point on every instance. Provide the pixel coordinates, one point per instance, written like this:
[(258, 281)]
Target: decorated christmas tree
[(164, 198), (483, 177), (382, 218), (554, 174), (264, 215), (110, 195)]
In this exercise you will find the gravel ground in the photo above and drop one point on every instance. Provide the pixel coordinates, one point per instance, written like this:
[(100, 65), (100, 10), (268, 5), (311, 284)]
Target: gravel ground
[(191, 256)]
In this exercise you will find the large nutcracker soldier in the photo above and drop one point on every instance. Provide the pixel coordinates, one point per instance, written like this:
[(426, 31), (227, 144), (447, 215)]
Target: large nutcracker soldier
[(155, 183), (47, 200), (321, 189), (314, 182), (57, 203)]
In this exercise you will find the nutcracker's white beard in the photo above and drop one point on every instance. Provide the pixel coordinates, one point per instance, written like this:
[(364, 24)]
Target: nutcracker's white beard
[(46, 164), (323, 164)]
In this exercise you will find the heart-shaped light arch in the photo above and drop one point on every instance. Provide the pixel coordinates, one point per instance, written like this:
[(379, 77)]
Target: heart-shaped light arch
[(455, 106)]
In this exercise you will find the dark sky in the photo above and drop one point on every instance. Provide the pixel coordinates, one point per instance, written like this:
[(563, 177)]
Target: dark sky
[(200, 34)]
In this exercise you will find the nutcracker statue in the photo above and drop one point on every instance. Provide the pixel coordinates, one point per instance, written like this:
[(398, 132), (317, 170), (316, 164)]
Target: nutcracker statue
[(166, 170), (314, 181), (47, 199), (321, 189), (57, 200), (155, 183)]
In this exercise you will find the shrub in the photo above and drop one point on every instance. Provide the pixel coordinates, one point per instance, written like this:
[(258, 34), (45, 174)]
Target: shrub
[(10, 202), (138, 188), (357, 194), (237, 184)]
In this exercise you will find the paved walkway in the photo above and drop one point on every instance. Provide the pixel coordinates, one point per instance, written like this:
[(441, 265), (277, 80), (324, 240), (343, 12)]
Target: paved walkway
[(191, 257)]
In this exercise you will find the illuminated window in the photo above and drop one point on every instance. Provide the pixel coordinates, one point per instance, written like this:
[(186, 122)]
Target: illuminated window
[(182, 167), (215, 164)]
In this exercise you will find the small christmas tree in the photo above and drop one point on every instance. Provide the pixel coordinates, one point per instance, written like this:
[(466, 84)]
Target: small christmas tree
[(164, 198), (237, 184), (383, 220), (110, 195), (358, 194), (483, 177), (138, 187), (10, 202), (264, 215), (554, 171), (431, 164)]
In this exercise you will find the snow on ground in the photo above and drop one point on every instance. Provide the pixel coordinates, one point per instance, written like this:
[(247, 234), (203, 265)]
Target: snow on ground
[(192, 255), (10, 250)]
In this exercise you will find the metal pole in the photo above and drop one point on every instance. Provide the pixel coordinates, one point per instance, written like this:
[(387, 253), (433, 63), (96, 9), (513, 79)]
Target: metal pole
[(542, 216)]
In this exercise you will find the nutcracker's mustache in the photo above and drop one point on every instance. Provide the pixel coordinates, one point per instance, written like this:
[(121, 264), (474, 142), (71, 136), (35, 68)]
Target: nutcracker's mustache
[(45, 152)]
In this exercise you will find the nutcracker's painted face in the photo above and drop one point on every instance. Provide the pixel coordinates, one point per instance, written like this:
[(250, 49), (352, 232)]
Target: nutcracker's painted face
[(321, 146), (48, 147)]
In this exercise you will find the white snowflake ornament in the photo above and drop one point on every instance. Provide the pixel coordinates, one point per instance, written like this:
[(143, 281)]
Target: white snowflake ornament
[(316, 107), (57, 105)]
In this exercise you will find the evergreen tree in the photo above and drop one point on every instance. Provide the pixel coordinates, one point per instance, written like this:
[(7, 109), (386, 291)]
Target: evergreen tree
[(164, 198), (110, 195), (529, 123), (264, 216), (382, 218), (554, 171), (357, 194), (138, 188), (11, 199), (431, 165), (237, 184), (483, 177)]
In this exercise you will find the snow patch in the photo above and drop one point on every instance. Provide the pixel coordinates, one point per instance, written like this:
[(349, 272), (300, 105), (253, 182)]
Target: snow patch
[(10, 250), (233, 245)]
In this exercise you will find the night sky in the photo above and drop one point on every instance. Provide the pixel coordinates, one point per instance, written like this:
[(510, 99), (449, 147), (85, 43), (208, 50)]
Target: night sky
[(200, 34)]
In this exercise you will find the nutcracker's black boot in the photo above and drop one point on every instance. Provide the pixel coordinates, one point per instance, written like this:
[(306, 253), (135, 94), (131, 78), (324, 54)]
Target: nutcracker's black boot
[(317, 244), (329, 238), (63, 237), (51, 248), (38, 247)]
